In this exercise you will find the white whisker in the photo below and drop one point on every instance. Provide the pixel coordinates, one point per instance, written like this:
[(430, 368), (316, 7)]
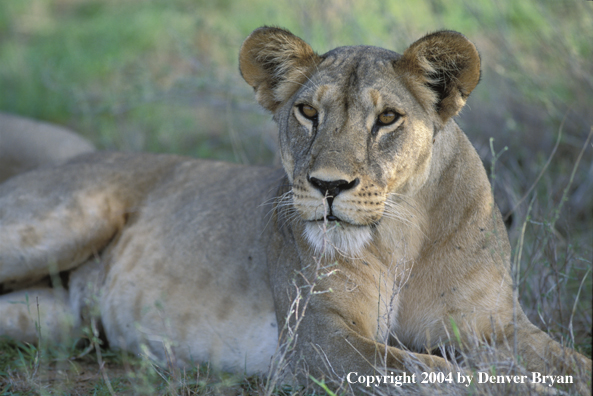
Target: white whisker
[(395, 211)]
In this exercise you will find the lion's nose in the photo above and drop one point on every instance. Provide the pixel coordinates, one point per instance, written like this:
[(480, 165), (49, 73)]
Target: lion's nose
[(331, 189)]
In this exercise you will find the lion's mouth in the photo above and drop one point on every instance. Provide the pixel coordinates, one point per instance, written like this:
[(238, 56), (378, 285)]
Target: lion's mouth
[(331, 217), (338, 222), (335, 220)]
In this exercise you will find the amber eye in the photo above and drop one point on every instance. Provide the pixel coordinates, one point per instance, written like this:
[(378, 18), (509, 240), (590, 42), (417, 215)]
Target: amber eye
[(308, 112), (388, 117)]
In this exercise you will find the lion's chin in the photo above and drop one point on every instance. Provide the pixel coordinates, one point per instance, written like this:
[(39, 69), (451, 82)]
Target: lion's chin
[(337, 238)]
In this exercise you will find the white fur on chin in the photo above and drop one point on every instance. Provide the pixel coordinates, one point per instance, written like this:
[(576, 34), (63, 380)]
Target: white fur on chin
[(337, 238)]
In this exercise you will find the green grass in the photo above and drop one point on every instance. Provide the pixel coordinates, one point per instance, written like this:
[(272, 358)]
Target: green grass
[(102, 66), (27, 369), (162, 76)]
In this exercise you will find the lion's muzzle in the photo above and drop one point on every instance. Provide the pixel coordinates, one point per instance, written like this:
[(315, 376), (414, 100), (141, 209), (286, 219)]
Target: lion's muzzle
[(330, 190)]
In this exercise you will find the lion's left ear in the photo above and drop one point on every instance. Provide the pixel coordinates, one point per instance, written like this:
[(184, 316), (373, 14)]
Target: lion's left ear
[(443, 69), (275, 63)]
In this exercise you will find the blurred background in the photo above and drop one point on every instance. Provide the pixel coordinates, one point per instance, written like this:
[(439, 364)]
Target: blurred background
[(162, 76)]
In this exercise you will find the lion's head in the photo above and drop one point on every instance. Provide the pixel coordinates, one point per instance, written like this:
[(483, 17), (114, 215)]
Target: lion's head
[(357, 124)]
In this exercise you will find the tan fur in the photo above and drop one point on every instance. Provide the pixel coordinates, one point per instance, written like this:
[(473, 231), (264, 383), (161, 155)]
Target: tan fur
[(371, 248)]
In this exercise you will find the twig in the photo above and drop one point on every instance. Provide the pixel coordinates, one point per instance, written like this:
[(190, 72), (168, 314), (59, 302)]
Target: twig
[(542, 171), (574, 306), (574, 171), (94, 339), (517, 268)]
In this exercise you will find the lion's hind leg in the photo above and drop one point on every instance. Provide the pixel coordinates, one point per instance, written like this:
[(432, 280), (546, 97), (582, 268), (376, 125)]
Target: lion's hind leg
[(541, 354), (52, 221)]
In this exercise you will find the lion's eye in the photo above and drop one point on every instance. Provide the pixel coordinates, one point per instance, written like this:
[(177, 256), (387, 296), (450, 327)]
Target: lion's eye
[(308, 112), (388, 117)]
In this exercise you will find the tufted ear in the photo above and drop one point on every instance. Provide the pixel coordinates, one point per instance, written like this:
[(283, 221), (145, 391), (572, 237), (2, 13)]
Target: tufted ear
[(442, 68), (275, 63)]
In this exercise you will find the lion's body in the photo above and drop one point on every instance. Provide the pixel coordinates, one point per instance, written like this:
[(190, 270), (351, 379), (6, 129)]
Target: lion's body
[(153, 252), (376, 237)]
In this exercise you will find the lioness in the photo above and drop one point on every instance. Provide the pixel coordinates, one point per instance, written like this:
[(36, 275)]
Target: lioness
[(376, 243)]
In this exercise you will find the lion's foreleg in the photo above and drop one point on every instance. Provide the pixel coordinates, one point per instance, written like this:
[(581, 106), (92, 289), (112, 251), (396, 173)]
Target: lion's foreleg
[(328, 347), (36, 314)]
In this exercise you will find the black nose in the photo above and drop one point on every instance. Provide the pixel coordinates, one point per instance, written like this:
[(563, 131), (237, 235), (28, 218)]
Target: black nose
[(331, 189)]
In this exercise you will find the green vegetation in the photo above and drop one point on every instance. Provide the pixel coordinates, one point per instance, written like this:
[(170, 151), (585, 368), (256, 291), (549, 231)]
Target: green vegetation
[(25, 369), (162, 75)]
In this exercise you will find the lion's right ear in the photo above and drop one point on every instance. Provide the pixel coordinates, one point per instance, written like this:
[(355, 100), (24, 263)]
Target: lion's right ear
[(275, 63)]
